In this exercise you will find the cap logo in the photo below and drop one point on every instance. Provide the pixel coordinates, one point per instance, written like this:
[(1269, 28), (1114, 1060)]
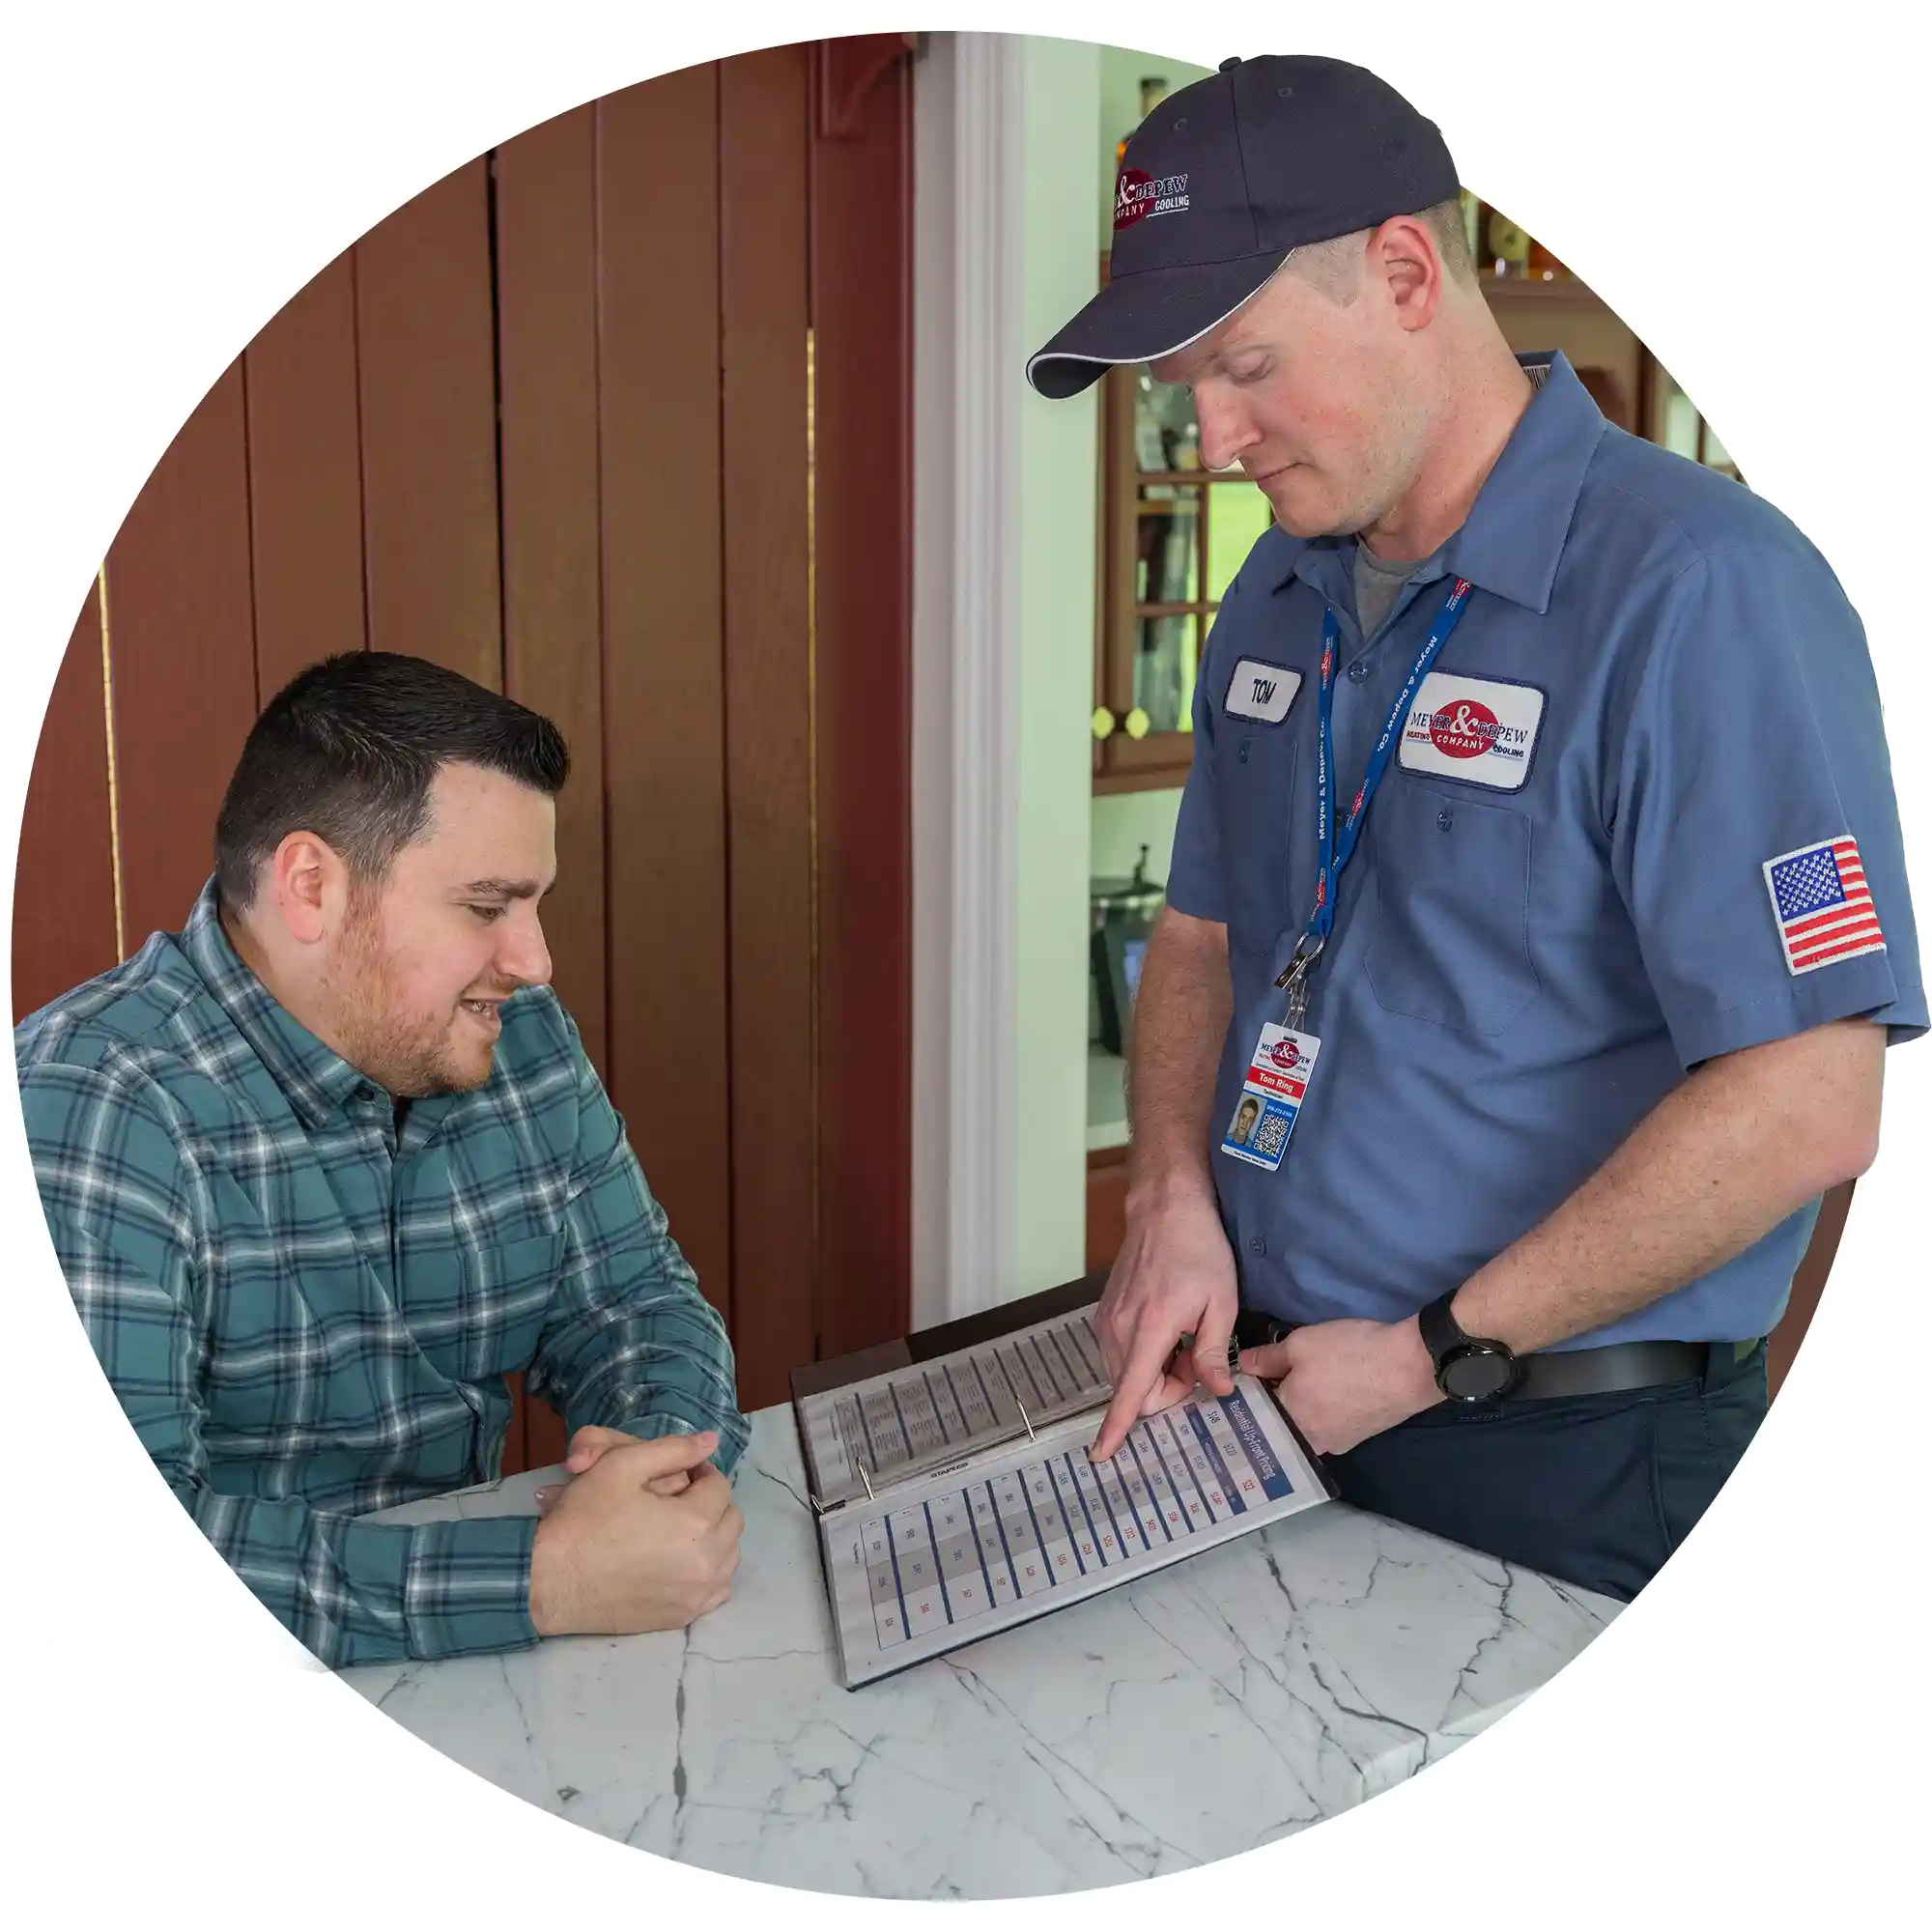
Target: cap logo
[(1139, 196)]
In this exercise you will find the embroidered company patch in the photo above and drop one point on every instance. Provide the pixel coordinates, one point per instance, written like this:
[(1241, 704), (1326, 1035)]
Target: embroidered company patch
[(1262, 691), (1821, 904), (1479, 729)]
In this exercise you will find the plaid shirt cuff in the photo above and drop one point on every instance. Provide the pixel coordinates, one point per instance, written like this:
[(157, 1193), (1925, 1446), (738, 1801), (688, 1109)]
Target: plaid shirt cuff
[(732, 1432), (468, 1587)]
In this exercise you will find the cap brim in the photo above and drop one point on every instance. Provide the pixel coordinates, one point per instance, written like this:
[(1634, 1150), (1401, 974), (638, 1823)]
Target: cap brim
[(1143, 317)]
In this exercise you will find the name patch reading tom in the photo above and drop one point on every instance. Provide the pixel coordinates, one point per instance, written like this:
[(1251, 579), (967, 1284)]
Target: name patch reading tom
[(1260, 691)]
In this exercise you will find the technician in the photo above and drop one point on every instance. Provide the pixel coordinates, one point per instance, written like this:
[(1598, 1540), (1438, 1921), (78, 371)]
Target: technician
[(1538, 883)]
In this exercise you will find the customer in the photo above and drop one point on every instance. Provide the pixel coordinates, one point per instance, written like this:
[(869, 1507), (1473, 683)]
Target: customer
[(328, 1165)]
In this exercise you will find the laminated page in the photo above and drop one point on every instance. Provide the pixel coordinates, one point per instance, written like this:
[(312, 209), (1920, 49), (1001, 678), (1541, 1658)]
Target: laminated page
[(947, 1561), (889, 1428)]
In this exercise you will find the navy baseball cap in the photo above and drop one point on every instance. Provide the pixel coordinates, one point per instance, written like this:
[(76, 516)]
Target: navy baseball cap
[(1223, 182)]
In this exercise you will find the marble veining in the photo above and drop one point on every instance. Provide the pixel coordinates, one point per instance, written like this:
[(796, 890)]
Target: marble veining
[(1235, 1697)]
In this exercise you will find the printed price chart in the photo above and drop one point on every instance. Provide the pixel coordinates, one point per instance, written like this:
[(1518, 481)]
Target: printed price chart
[(894, 1425), (1060, 1525)]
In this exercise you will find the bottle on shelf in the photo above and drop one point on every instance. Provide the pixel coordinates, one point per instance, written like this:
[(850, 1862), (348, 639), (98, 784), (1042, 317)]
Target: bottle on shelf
[(1543, 266)]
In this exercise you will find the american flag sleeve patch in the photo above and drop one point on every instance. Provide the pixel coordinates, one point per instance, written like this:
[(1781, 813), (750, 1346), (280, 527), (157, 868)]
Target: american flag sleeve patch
[(1821, 904)]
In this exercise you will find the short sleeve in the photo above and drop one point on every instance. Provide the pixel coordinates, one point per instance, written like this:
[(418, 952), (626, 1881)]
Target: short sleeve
[(1751, 810), (1196, 882)]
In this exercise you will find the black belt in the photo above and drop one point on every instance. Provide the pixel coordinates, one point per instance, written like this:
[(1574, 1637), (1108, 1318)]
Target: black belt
[(1557, 1372)]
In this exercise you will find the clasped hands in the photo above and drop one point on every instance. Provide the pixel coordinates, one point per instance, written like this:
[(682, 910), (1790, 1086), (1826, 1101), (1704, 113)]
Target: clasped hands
[(644, 1536)]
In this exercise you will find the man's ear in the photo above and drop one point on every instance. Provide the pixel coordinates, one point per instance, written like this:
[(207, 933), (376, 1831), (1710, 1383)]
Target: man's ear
[(1404, 252), (307, 885)]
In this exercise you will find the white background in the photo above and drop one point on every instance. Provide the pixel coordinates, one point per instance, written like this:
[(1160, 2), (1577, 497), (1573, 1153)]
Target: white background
[(1738, 185)]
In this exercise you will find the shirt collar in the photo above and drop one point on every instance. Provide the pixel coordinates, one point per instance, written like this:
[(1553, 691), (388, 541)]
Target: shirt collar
[(320, 1084), (1512, 539)]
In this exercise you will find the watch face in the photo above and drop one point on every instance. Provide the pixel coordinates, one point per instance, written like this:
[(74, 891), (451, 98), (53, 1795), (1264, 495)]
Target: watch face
[(1478, 1373)]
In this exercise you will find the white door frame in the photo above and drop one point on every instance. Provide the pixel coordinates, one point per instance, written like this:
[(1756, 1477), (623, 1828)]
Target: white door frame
[(967, 330)]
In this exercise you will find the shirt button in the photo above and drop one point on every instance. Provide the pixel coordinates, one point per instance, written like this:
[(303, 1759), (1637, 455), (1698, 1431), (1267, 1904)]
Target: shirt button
[(1357, 672), (1255, 1246), (1444, 819)]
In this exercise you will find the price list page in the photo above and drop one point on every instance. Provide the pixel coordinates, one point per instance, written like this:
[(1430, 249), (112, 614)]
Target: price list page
[(963, 1557), (891, 1425)]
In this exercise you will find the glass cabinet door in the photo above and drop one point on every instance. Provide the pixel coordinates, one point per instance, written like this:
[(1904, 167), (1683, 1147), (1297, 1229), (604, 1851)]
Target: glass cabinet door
[(1176, 535)]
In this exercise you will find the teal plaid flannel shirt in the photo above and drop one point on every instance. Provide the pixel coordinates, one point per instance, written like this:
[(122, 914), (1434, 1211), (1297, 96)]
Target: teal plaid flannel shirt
[(308, 1314)]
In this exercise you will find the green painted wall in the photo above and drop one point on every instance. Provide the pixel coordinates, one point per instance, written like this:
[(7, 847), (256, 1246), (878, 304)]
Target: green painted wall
[(1058, 527)]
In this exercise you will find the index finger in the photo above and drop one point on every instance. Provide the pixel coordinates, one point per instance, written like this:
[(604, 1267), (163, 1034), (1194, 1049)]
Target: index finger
[(1268, 1363), (1147, 1358), (664, 1455)]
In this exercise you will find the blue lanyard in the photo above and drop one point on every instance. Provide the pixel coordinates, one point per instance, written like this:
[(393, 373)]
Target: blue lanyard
[(1334, 849)]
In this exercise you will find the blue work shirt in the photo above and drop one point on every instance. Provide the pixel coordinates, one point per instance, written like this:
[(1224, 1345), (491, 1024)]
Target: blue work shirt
[(1569, 890)]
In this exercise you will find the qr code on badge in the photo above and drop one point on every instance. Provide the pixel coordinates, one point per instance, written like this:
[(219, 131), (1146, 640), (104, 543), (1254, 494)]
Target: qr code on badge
[(1271, 1133)]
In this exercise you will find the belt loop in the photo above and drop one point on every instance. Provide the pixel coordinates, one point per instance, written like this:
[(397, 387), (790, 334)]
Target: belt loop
[(1721, 1362)]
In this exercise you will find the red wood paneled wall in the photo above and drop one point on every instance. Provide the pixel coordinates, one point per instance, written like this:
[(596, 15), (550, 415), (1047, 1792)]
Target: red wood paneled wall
[(627, 435)]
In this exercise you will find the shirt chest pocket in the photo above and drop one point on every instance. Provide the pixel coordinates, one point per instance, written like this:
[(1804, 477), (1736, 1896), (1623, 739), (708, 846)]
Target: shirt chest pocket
[(1270, 880), (507, 1290), (1451, 941)]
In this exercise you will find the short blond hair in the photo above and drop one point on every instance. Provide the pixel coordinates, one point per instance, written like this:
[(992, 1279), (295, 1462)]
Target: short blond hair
[(1330, 265)]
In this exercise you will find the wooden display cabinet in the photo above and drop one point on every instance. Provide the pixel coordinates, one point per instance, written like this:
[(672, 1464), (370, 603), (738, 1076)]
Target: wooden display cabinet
[(1173, 536)]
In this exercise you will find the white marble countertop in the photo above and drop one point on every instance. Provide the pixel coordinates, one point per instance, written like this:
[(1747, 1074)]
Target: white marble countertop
[(1231, 1699)]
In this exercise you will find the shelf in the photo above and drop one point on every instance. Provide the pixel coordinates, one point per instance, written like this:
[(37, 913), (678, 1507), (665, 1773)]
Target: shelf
[(1154, 777), (1530, 289)]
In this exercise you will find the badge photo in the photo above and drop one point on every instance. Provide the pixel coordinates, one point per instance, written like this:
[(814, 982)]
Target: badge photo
[(1480, 729), (1261, 692), (1259, 1132)]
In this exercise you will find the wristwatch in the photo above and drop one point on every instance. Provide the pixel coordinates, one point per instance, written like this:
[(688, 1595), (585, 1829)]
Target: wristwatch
[(1469, 1369)]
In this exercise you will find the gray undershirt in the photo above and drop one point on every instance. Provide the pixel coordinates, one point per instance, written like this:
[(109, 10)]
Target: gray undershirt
[(1379, 583)]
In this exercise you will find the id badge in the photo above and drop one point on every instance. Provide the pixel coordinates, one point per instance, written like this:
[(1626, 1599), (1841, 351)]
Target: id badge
[(1278, 1073)]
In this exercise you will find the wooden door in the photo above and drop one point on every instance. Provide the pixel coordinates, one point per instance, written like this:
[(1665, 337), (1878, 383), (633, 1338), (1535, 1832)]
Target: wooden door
[(680, 525)]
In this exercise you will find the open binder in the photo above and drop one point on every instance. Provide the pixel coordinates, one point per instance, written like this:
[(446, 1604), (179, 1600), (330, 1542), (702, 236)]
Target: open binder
[(955, 1495)]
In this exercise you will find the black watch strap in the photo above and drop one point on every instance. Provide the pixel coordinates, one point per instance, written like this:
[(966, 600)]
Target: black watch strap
[(1441, 1330)]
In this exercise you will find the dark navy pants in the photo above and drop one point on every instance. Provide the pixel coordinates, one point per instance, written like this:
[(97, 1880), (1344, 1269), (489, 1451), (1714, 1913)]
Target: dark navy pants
[(1597, 1489)]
